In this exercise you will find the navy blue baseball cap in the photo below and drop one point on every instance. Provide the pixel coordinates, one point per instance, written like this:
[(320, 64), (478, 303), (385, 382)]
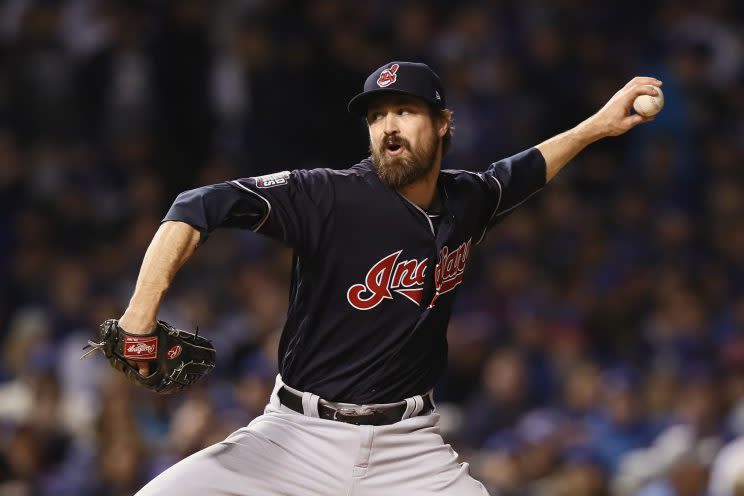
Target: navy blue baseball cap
[(404, 78)]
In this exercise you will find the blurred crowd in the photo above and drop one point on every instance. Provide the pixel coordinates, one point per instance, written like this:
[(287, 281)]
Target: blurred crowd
[(597, 346)]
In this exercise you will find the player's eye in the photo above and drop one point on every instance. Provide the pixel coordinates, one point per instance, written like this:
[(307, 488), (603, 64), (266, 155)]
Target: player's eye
[(404, 111), (374, 116)]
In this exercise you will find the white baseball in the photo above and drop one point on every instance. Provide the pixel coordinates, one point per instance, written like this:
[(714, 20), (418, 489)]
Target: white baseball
[(648, 105)]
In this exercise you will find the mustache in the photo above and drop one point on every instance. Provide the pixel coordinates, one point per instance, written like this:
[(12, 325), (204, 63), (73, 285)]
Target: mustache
[(394, 140)]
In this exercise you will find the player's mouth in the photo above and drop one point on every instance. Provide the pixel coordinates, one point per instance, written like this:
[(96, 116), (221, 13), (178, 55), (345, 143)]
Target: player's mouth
[(395, 147)]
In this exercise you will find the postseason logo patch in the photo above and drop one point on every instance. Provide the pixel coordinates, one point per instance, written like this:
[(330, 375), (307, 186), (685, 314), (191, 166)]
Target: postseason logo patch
[(271, 180)]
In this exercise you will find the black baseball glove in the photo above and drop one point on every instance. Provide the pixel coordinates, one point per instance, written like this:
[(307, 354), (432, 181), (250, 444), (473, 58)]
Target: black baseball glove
[(177, 358)]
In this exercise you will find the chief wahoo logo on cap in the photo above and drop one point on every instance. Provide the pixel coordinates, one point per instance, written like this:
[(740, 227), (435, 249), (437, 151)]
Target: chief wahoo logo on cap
[(388, 76)]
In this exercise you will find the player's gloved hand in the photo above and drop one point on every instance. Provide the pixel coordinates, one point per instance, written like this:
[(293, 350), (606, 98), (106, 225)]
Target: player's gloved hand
[(176, 358), (128, 323)]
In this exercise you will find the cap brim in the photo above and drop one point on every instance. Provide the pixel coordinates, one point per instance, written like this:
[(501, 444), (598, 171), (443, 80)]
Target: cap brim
[(358, 105)]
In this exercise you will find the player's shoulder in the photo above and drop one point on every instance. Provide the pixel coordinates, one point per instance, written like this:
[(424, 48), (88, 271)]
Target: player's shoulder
[(313, 179), (360, 169), (356, 172), (461, 176), (465, 184)]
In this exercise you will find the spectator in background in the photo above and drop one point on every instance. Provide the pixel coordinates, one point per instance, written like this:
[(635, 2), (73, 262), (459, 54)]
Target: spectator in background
[(116, 82), (582, 474), (618, 425), (500, 399)]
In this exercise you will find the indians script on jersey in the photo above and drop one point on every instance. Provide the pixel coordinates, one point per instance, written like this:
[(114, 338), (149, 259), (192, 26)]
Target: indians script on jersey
[(406, 277)]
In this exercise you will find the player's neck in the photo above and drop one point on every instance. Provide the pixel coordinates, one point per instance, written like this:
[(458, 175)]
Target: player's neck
[(423, 191)]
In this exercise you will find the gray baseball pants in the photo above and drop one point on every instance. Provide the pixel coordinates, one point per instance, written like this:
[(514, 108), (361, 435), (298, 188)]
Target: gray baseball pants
[(283, 452)]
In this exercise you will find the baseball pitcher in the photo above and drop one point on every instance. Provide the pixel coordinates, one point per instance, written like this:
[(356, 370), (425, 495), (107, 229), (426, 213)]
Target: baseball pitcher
[(380, 250)]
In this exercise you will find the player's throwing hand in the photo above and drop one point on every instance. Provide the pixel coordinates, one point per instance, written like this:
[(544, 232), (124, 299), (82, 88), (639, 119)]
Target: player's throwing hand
[(615, 118)]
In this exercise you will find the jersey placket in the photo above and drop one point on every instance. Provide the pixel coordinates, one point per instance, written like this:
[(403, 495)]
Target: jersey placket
[(439, 239)]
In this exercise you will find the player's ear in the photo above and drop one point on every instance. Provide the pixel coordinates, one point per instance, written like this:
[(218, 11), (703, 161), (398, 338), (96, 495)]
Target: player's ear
[(445, 121)]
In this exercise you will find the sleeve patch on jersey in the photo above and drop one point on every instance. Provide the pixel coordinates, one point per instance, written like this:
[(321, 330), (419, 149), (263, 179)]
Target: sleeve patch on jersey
[(271, 180)]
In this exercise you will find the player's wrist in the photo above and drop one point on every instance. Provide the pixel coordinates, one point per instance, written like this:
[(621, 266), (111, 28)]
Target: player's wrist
[(137, 322), (590, 130)]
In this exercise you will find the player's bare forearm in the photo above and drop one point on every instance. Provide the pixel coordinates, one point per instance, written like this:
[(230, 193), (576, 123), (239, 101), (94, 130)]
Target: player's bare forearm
[(172, 245), (560, 149), (613, 119)]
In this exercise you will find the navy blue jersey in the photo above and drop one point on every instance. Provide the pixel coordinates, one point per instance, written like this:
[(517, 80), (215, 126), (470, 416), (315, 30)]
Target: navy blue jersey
[(373, 280)]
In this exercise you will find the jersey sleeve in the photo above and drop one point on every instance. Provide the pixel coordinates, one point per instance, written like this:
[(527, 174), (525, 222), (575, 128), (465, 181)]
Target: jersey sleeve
[(511, 182), (287, 206)]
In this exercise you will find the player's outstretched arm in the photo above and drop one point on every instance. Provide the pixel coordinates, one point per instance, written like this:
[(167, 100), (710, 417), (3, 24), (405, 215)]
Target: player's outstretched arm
[(613, 119), (172, 245)]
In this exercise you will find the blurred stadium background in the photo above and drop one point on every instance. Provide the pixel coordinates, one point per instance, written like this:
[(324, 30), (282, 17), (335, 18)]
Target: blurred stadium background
[(598, 344)]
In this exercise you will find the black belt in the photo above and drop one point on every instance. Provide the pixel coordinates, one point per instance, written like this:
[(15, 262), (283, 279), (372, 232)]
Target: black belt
[(389, 415)]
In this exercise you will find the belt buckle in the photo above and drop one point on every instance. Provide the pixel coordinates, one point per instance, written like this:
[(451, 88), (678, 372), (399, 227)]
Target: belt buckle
[(353, 412)]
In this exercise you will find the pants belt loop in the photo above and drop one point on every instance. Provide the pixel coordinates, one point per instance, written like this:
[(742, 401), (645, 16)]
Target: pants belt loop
[(274, 399), (419, 405), (414, 405), (310, 404), (410, 407)]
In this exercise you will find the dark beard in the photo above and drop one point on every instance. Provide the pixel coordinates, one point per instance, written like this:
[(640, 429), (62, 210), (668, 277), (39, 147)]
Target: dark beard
[(406, 168)]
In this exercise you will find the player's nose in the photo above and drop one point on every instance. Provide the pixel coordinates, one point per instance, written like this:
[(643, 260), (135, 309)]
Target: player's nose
[(391, 123)]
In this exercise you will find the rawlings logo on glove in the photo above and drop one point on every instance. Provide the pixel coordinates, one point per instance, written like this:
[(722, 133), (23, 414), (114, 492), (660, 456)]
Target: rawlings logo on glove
[(177, 358), (140, 348)]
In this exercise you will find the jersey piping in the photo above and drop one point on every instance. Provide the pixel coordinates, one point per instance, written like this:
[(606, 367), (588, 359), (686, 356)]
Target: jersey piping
[(268, 205)]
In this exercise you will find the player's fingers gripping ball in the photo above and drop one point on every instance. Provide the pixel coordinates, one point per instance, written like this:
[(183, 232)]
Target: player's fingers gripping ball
[(177, 358), (649, 105)]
